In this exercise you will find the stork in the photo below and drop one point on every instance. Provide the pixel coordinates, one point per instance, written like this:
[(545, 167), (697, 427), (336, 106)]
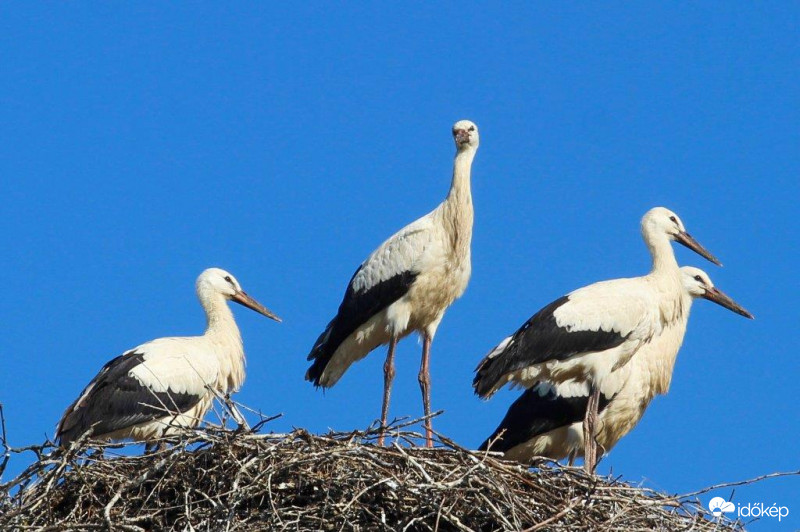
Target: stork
[(404, 286), (546, 419), (586, 335), (159, 387)]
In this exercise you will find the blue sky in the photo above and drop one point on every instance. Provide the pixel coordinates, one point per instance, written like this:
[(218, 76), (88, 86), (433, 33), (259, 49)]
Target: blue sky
[(142, 144)]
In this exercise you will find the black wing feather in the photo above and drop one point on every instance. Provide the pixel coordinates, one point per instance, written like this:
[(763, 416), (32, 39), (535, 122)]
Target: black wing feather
[(533, 414), (356, 308), (116, 400), (539, 340)]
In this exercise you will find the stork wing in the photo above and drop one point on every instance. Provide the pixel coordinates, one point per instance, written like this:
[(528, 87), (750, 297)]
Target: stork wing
[(593, 319), (127, 391), (382, 279), (537, 411)]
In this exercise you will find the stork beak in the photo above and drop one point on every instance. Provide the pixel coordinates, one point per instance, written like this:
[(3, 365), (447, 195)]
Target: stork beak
[(462, 136), (721, 298), (688, 240), (243, 299)]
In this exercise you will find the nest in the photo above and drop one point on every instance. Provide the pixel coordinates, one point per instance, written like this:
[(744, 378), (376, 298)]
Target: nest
[(214, 479)]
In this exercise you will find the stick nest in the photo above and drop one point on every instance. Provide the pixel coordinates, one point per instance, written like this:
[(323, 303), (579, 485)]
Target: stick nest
[(213, 479)]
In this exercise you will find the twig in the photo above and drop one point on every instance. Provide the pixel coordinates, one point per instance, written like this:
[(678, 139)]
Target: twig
[(741, 482), (4, 441)]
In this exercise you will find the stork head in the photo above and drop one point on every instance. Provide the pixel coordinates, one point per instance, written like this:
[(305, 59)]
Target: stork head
[(216, 280), (698, 284), (660, 220), (465, 134)]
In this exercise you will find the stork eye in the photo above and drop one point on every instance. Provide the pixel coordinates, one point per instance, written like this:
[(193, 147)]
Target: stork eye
[(698, 278), (472, 128), (228, 278), (673, 219)]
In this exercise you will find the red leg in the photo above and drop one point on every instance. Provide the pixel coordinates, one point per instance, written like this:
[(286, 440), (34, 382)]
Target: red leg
[(424, 378), (388, 376), (589, 442)]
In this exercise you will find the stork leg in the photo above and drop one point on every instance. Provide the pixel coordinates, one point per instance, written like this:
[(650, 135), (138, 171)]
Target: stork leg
[(589, 441), (599, 454), (572, 456), (424, 378), (388, 376), (152, 447), (236, 414)]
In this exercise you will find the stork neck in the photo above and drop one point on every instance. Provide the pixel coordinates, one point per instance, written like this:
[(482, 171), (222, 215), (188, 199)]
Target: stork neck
[(456, 212), (660, 358), (460, 191), (225, 339), (662, 253), (219, 317), (665, 278)]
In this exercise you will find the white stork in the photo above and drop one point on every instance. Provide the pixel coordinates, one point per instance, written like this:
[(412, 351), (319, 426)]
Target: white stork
[(587, 334), (546, 419), (156, 388), (405, 285)]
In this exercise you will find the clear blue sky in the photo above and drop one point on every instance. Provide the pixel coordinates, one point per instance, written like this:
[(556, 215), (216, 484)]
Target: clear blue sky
[(142, 144)]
